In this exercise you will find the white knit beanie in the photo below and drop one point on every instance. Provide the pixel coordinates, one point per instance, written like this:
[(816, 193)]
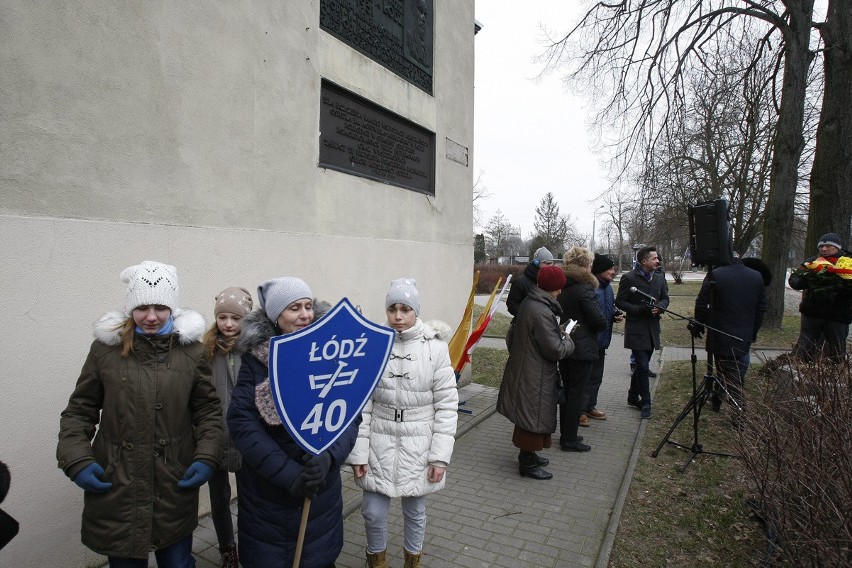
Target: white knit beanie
[(404, 291), (150, 283), (276, 294)]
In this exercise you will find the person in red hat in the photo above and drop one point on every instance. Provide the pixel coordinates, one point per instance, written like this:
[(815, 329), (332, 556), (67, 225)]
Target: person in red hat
[(531, 383)]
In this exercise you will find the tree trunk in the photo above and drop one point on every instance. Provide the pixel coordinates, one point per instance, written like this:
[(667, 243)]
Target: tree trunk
[(831, 174), (787, 150)]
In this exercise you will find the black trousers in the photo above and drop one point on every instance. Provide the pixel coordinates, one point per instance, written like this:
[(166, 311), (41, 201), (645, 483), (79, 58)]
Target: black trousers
[(575, 376)]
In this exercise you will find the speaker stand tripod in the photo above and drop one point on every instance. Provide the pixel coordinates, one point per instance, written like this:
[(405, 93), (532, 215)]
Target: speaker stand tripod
[(698, 399)]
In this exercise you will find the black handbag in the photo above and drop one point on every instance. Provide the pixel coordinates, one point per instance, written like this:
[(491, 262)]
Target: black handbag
[(560, 392)]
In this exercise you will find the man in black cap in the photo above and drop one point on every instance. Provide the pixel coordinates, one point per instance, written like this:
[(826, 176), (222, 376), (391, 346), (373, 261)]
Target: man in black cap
[(604, 270), (827, 312)]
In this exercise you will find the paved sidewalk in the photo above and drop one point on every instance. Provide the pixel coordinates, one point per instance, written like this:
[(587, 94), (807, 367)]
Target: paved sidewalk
[(489, 516)]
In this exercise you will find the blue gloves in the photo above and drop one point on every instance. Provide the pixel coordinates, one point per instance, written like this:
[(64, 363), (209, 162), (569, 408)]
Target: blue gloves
[(197, 474), (89, 478)]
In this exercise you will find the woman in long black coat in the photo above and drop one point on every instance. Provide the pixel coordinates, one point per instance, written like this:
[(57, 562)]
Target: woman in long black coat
[(527, 394), (578, 302), (277, 474)]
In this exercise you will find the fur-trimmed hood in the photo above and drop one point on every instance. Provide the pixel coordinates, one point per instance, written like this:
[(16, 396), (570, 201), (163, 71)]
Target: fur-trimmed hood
[(576, 273), (258, 329), (189, 326), (439, 330)]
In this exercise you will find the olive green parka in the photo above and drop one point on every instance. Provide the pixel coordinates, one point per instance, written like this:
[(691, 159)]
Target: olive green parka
[(151, 414)]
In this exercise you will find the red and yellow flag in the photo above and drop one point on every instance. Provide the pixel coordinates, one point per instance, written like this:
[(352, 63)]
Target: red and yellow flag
[(459, 340), (481, 324)]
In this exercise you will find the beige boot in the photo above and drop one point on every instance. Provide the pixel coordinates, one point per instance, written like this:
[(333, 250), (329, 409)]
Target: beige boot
[(412, 560), (377, 560)]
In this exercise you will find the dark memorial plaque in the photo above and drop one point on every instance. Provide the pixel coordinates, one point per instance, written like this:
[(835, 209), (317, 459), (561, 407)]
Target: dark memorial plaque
[(364, 139), (395, 33)]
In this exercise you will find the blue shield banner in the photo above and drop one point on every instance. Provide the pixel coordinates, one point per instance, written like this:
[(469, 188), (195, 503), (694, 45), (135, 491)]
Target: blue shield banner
[(322, 376)]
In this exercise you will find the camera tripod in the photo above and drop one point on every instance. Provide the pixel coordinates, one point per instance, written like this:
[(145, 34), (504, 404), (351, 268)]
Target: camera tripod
[(700, 395)]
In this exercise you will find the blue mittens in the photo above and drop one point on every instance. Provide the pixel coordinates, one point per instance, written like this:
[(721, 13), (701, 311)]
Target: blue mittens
[(196, 475), (89, 478)]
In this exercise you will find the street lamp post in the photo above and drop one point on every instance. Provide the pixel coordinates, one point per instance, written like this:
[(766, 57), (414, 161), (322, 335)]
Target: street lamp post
[(594, 219)]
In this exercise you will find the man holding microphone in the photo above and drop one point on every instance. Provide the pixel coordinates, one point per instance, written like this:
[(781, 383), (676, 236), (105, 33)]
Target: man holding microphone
[(641, 294)]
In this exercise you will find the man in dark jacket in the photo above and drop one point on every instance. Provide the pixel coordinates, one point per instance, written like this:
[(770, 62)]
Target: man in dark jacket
[(733, 300), (826, 313), (604, 270), (642, 329), (523, 284)]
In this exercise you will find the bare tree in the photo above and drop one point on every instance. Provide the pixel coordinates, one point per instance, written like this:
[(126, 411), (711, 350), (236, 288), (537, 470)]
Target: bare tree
[(497, 235), (641, 52), (721, 148), (831, 175), (480, 194)]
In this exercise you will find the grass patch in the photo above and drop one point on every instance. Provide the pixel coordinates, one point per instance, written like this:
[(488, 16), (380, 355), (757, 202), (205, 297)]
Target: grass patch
[(691, 519), (499, 324), (488, 366)]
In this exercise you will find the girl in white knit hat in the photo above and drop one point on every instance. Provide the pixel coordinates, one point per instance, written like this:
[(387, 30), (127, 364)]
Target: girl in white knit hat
[(232, 305), (407, 432), (146, 389)]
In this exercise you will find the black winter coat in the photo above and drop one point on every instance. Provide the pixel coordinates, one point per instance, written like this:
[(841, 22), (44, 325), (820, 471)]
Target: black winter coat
[(641, 329), (527, 394), (830, 305), (269, 516), (739, 302), (521, 288), (578, 302)]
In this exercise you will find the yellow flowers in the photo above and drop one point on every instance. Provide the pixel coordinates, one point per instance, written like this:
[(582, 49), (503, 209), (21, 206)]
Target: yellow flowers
[(844, 267)]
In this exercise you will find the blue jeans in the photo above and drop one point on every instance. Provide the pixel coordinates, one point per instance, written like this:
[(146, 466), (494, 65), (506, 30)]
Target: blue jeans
[(595, 381), (639, 387), (177, 555), (375, 507)]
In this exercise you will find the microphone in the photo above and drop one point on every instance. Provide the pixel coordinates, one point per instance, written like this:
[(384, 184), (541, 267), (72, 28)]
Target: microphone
[(636, 290)]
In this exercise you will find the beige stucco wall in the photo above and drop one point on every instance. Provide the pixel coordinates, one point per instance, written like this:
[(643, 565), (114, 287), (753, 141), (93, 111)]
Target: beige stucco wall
[(187, 132)]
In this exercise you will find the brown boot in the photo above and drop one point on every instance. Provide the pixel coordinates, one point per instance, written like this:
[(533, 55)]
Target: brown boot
[(377, 560), (412, 560), (229, 557)]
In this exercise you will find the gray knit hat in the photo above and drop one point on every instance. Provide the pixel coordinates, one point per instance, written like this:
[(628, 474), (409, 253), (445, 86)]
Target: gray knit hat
[(276, 294), (832, 239), (150, 283), (543, 255), (404, 291), (233, 300)]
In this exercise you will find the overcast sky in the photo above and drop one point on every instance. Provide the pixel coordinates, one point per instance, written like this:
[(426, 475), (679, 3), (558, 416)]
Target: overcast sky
[(530, 135)]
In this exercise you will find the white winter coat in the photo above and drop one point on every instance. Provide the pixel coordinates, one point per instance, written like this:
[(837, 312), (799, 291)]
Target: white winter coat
[(419, 386)]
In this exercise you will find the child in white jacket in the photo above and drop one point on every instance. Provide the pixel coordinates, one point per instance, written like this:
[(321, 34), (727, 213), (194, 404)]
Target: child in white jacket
[(408, 430)]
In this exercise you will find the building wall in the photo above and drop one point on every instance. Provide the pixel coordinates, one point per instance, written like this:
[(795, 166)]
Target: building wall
[(187, 132)]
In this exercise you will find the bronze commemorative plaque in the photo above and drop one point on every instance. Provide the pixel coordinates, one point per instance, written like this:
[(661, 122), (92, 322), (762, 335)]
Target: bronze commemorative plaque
[(361, 138), (395, 33)]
